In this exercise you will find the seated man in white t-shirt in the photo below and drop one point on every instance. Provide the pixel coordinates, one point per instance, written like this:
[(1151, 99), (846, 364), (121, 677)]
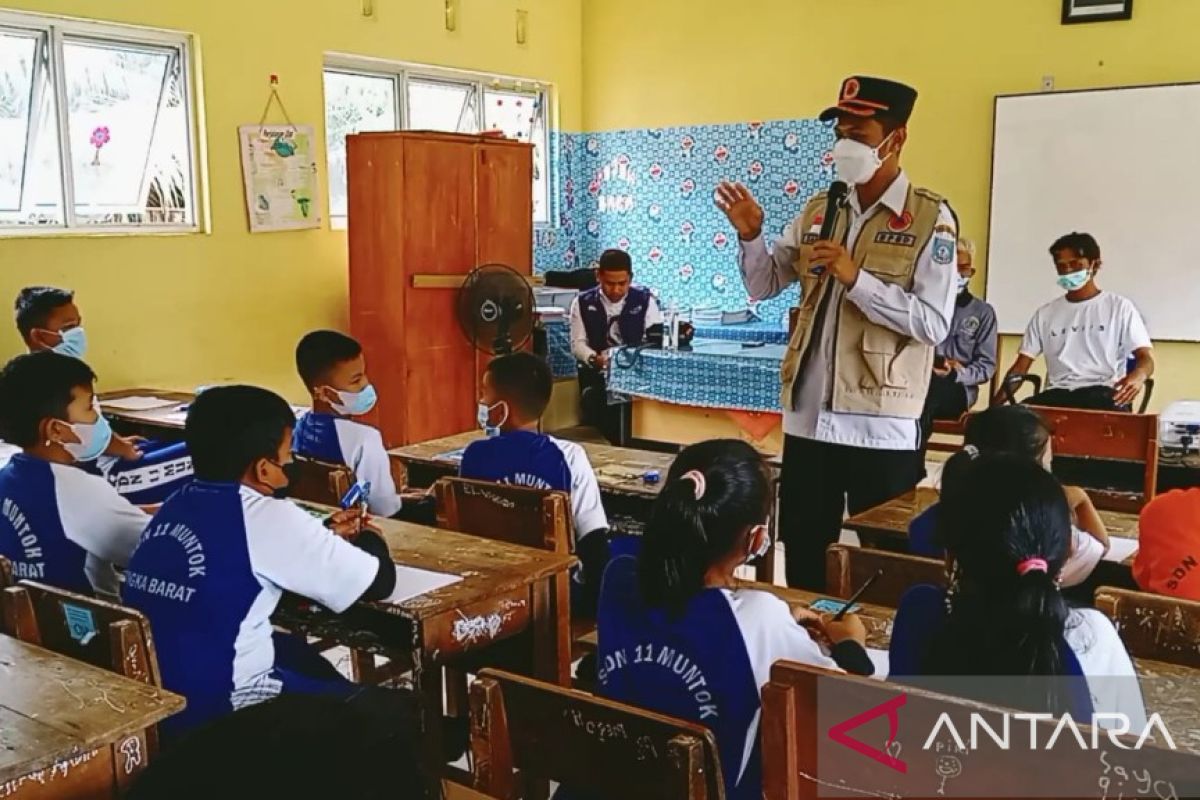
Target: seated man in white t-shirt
[(1086, 336)]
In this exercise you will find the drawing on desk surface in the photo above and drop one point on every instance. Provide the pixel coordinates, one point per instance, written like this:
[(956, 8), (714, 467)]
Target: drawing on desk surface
[(413, 582), (1145, 782), (947, 767), (131, 748), (59, 769), (483, 626), (137, 402)]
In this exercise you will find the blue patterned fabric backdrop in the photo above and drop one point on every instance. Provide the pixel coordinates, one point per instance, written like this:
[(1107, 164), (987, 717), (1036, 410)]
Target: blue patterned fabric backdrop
[(650, 192)]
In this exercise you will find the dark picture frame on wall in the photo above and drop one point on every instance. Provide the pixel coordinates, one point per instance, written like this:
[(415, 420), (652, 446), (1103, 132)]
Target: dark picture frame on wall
[(1076, 11)]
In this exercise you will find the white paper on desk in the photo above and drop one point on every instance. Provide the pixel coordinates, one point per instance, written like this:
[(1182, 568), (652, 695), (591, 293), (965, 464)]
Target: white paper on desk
[(176, 417), (137, 403), (413, 582), (1120, 548), (879, 658)]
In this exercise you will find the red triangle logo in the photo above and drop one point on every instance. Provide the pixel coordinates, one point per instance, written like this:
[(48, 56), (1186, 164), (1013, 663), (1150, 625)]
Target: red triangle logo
[(838, 732)]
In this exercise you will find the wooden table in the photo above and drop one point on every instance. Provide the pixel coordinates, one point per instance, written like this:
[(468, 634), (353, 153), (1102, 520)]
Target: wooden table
[(164, 424), (619, 472), (886, 527), (1171, 690), (509, 594), (68, 729)]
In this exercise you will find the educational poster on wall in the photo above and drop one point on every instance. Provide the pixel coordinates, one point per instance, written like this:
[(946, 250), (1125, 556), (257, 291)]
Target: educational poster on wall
[(279, 168)]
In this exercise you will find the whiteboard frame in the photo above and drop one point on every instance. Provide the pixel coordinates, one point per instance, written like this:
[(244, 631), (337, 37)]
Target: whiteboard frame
[(992, 172)]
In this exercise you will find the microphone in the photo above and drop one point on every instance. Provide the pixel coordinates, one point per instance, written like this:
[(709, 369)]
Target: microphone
[(835, 199)]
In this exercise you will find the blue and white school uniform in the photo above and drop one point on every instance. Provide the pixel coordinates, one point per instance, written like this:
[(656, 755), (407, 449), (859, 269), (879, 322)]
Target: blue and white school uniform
[(209, 572), (528, 458), (65, 527), (1086, 551), (709, 665), (340, 440), (163, 469), (1091, 648)]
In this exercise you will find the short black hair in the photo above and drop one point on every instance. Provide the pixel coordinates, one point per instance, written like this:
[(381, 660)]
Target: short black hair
[(1084, 244), (230, 427), (365, 748), (37, 386), (524, 380), (319, 351), (34, 304), (615, 261)]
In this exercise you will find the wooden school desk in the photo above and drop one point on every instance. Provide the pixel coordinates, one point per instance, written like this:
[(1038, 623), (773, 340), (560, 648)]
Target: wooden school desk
[(68, 729), (506, 591), (886, 527), (1171, 690), (619, 472), (164, 423)]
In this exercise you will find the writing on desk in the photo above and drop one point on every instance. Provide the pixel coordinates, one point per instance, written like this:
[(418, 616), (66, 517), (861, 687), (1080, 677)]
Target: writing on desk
[(477, 491), (483, 627), (1114, 777), (58, 771)]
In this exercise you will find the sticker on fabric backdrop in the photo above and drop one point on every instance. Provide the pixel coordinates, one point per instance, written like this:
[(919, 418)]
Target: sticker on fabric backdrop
[(81, 625), (943, 250), (898, 239), (791, 189)]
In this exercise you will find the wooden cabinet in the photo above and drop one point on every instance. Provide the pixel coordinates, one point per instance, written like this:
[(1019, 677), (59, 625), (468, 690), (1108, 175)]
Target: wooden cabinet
[(429, 204)]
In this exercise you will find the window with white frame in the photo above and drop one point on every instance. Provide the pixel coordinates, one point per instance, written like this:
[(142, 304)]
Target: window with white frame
[(96, 127), (363, 95)]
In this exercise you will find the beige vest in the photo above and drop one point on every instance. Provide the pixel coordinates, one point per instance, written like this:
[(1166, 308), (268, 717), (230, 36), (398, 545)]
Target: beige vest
[(876, 371)]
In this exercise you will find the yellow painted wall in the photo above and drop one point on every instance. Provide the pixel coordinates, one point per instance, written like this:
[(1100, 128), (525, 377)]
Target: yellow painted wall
[(181, 311), (678, 62)]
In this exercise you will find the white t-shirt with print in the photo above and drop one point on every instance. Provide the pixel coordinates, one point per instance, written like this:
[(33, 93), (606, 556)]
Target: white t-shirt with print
[(1111, 677), (1087, 343)]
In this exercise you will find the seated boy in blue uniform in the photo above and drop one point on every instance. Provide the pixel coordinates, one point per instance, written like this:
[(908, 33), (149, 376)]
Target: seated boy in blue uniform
[(333, 369), (144, 472), (58, 524), (515, 392), (218, 556)]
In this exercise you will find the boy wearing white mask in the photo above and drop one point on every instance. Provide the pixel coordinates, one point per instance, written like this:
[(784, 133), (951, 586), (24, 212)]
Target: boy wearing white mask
[(145, 472), (58, 524), (514, 393), (1086, 336), (876, 297), (334, 371)]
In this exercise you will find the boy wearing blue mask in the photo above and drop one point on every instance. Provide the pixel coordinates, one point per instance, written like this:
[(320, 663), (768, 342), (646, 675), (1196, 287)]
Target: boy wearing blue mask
[(334, 371), (144, 472), (58, 524), (515, 391), (1086, 336)]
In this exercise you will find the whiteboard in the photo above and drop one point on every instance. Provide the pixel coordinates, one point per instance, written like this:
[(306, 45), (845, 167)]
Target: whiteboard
[(1120, 164)]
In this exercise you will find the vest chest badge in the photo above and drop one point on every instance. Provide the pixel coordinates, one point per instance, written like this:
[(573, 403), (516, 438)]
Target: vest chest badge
[(898, 239), (900, 222)]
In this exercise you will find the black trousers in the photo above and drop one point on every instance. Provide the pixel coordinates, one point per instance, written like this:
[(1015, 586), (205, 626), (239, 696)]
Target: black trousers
[(615, 421), (820, 482), (1090, 398), (947, 399)]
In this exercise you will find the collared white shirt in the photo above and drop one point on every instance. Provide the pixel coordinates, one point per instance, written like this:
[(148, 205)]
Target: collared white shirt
[(579, 341), (924, 313)]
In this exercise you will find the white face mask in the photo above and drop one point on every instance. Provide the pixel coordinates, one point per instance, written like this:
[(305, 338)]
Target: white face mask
[(963, 282), (856, 162)]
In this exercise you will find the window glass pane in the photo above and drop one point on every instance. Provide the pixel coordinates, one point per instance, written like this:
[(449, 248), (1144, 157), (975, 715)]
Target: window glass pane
[(353, 104), (441, 106), (521, 116), (17, 55), (30, 189), (129, 133)]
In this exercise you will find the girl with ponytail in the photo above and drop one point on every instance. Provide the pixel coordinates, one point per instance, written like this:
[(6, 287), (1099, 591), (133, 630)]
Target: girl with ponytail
[(677, 632), (1005, 523)]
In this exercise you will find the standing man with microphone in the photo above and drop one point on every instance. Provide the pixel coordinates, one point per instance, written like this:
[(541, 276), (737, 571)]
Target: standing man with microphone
[(878, 283)]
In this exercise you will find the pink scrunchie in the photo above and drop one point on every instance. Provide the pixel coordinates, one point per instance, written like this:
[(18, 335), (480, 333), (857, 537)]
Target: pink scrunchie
[(696, 477), (1032, 565)]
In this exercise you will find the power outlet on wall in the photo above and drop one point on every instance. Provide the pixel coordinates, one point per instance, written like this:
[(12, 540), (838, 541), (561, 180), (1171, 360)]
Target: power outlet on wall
[(1047, 83)]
